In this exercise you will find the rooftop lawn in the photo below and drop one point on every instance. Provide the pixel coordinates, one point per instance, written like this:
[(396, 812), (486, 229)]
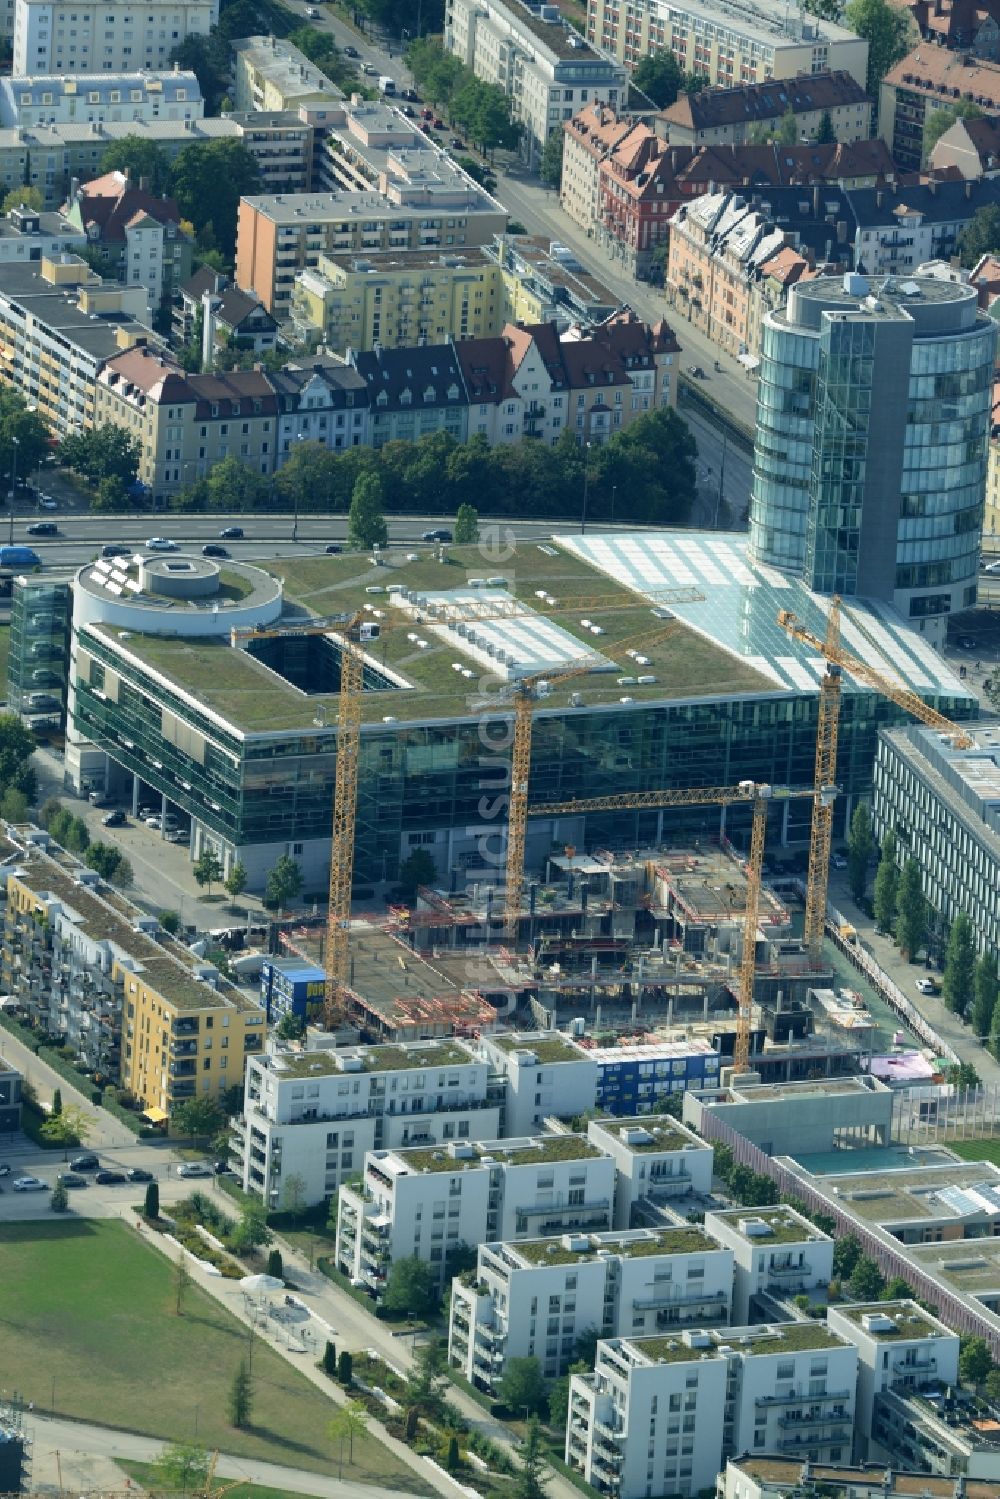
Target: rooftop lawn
[(88, 1313), (547, 1148), (552, 1251), (785, 1229), (977, 1150), (255, 698)]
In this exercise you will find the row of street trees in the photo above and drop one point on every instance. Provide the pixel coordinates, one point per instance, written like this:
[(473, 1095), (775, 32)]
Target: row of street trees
[(645, 473), (480, 110)]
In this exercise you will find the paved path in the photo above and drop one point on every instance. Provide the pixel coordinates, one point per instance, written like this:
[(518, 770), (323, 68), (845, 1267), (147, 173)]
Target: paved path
[(78, 1445), (105, 1129)]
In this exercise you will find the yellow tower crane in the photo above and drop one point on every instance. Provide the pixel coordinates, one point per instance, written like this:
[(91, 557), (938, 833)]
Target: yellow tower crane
[(352, 631), (821, 835), (760, 795)]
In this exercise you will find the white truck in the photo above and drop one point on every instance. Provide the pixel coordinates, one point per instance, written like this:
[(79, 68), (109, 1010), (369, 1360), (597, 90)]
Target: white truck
[(387, 85)]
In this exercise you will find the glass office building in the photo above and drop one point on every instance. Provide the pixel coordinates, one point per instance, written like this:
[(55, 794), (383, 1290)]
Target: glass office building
[(39, 650), (873, 426)]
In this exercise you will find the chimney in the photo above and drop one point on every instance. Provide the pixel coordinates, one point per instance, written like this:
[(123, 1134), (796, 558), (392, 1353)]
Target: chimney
[(74, 189), (816, 191), (932, 186), (841, 231), (968, 188), (879, 198), (144, 184)]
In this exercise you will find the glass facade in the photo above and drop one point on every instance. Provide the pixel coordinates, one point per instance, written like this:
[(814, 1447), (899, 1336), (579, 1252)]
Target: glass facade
[(268, 788), (872, 441), (39, 651)]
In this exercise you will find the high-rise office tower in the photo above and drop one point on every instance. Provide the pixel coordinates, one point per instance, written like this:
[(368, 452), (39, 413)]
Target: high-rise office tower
[(873, 419)]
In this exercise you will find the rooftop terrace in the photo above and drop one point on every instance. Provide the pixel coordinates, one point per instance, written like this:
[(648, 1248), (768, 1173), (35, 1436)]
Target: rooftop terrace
[(538, 1150), (372, 1058), (908, 1318), (784, 1226), (546, 1047), (786, 1337), (663, 1134), (636, 1244)]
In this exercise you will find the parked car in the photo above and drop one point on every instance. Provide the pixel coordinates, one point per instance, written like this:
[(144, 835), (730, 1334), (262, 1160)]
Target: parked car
[(312, 12), (967, 642), (162, 544), (115, 819), (46, 502), (111, 1178), (334, 549), (115, 549), (927, 986), (85, 1162), (409, 111), (214, 550), (456, 144), (223, 1168), (370, 70), (189, 1169), (697, 372), (139, 1174), (70, 1179), (43, 528), (411, 95), (29, 1184), (427, 114), (437, 123), (152, 820), (351, 52), (231, 533), (441, 534), (838, 861), (4, 1169)]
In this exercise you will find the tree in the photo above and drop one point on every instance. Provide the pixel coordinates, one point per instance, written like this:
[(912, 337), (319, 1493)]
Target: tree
[(69, 1127), (981, 236), (108, 861), (345, 1369), (56, 1102), (330, 1359), (585, 1347), (208, 180), (995, 1031), (866, 1280), (102, 453), (825, 133), (16, 746), (59, 1198), (559, 1395), (846, 1254), (417, 869), (182, 1279), (208, 58), (23, 197), (170, 921), (886, 885), (241, 1397), (660, 77), (139, 159), (14, 806), (827, 10), (251, 1231), (283, 883), (786, 133), (888, 32), (911, 911), (412, 1286), (293, 1196), (275, 1265), (196, 1118), (428, 1381), (182, 1467), (236, 881), (451, 1459), (992, 1386), (151, 1205), (530, 1480), (962, 1075), (986, 990), (522, 1386), (233, 485), (550, 163), (466, 531), (290, 1027), (975, 1361), (207, 868), (937, 121), (366, 526), (959, 983), (897, 1289), (350, 1421), (860, 846)]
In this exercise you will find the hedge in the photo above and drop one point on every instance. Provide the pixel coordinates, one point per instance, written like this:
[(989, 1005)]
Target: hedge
[(24, 1033), (32, 1119), (77, 1080)]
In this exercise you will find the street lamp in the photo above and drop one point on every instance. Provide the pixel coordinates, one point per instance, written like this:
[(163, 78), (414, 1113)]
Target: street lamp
[(13, 485), (299, 437)]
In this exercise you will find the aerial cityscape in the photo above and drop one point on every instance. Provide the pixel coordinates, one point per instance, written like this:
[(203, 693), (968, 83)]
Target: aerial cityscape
[(500, 749)]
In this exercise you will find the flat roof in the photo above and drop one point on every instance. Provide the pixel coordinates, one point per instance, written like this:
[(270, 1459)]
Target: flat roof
[(908, 1320), (546, 1046), (786, 1473), (662, 1133), (769, 20), (401, 1058), (538, 1149), (784, 1225), (970, 1266), (636, 1243), (947, 1191), (784, 1337)]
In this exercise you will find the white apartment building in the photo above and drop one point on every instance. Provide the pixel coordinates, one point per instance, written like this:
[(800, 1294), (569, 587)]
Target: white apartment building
[(428, 1202), (656, 1158), (659, 1415), (727, 42), (104, 36), (315, 1114), (98, 98), (776, 1251), (901, 1348), (547, 1076), (544, 66), (537, 1297)]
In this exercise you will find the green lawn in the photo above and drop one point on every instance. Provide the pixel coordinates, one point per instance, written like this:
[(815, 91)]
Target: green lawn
[(87, 1304), (976, 1150)]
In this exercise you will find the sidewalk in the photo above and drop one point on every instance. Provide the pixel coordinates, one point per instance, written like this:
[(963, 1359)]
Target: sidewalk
[(930, 1006), (105, 1131)]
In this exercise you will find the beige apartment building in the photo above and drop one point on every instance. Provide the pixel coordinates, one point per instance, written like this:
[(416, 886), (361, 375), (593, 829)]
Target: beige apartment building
[(728, 116), (588, 138), (187, 423), (729, 42), (716, 245), (283, 234), (273, 75), (398, 299)]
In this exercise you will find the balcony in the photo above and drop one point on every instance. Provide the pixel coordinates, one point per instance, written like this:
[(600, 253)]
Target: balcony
[(668, 1298), (834, 1395), (793, 1422)]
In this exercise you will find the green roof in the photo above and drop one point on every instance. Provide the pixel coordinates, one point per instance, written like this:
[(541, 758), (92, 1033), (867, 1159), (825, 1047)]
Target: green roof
[(910, 1321), (546, 1047), (256, 699), (373, 1059), (786, 1337), (670, 1350), (546, 1148), (785, 1228), (666, 1133), (552, 1251)]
